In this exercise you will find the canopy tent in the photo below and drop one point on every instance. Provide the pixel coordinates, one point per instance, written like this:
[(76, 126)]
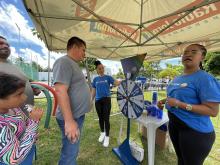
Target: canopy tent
[(117, 29)]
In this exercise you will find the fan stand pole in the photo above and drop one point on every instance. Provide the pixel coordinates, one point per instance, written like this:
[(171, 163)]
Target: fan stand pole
[(128, 129), (123, 152)]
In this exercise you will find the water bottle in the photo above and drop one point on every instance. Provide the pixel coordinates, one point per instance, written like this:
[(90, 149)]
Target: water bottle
[(156, 111), (154, 98), (154, 103), (159, 113)]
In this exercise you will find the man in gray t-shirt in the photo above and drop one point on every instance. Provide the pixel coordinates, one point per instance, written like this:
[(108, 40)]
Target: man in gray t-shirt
[(73, 95)]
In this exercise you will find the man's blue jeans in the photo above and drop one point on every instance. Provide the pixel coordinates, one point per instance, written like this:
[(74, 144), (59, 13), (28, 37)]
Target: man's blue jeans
[(69, 151)]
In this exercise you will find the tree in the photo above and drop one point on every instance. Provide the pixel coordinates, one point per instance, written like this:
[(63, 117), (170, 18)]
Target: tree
[(35, 33), (171, 71), (212, 63), (91, 67), (47, 69), (177, 68), (19, 60), (37, 66), (120, 74), (150, 69), (168, 73), (90, 62)]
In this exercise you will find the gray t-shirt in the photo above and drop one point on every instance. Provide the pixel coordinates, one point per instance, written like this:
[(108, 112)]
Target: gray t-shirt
[(9, 68), (68, 72)]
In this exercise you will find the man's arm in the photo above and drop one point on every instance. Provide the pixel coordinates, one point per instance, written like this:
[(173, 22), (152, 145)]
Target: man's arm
[(71, 127), (93, 93), (206, 108)]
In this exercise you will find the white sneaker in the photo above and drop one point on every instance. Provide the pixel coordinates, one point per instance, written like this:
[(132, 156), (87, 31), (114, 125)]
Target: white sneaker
[(106, 141), (101, 137)]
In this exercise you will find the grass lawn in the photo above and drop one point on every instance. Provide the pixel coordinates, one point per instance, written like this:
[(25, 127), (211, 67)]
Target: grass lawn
[(93, 153)]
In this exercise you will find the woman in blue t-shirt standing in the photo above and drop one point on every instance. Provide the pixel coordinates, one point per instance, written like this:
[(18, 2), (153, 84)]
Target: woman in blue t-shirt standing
[(191, 99), (101, 92)]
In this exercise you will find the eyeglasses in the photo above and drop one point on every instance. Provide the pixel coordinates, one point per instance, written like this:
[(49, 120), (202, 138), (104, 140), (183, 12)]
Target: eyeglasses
[(100, 68), (193, 52)]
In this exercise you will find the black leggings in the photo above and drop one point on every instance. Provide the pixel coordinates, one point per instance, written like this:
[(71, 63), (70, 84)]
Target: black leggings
[(192, 147), (103, 108)]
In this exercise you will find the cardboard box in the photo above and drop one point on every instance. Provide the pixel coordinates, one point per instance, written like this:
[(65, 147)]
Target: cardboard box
[(161, 137)]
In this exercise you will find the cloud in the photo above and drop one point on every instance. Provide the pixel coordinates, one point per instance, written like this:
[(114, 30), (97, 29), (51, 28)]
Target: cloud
[(15, 24), (11, 22), (17, 29), (113, 65), (29, 54), (173, 61), (14, 53)]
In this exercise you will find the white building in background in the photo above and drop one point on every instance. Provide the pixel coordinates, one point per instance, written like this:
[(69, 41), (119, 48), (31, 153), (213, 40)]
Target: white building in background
[(43, 76), (108, 71), (94, 73)]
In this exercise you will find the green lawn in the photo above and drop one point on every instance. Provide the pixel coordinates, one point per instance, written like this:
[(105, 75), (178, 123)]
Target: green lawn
[(92, 152)]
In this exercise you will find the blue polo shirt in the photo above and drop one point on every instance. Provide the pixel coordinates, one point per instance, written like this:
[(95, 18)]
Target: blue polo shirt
[(195, 88), (102, 86)]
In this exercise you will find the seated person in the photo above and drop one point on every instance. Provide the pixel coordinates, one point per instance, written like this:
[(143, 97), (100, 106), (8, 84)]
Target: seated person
[(18, 132)]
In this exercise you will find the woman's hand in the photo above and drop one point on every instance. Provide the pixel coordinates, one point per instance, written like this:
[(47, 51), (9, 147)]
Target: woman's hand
[(36, 114), (172, 102), (160, 104)]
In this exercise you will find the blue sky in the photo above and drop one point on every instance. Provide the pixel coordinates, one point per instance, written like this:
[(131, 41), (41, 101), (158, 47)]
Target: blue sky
[(16, 25)]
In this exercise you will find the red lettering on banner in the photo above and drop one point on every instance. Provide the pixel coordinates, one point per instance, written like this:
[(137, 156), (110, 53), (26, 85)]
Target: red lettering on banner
[(196, 16), (106, 29), (80, 12)]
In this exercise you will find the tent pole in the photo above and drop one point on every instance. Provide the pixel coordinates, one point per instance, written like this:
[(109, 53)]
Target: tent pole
[(182, 11), (44, 29), (49, 61), (121, 44), (100, 18), (48, 71), (171, 24), (212, 43), (157, 54), (88, 74), (141, 22), (163, 43), (40, 23), (82, 19), (167, 43)]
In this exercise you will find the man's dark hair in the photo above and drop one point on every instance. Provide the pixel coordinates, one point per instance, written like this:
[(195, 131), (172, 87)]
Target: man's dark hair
[(3, 37), (9, 84), (75, 41)]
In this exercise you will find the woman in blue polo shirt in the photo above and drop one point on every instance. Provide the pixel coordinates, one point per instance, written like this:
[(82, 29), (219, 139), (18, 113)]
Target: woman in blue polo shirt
[(101, 92), (191, 99)]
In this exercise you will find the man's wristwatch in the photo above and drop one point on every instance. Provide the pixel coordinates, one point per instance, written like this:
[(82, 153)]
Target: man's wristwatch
[(189, 107)]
